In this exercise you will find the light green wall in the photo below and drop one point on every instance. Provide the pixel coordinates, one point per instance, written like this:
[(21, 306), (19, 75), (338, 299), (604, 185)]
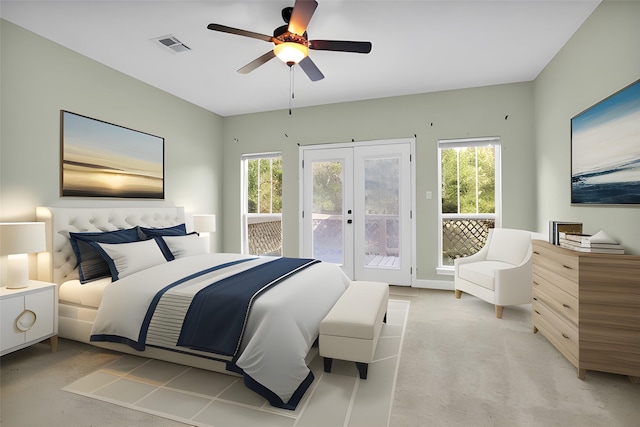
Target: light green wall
[(39, 78), (600, 59), (451, 114)]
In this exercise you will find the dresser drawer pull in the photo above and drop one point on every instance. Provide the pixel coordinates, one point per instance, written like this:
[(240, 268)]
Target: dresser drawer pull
[(565, 335), (567, 267), (536, 283), (536, 252), (537, 312), (566, 305)]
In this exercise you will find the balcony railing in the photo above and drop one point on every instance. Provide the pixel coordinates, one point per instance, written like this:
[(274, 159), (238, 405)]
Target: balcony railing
[(463, 236), (264, 234)]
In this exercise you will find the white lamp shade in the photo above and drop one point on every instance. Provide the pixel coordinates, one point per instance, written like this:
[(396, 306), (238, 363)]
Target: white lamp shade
[(21, 238), (204, 223)]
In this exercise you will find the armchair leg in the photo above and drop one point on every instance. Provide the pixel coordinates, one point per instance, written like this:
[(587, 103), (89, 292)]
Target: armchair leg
[(499, 311), (458, 293)]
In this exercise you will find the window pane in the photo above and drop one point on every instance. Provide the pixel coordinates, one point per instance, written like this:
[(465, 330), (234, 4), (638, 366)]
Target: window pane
[(486, 180), (449, 180), (468, 180), (382, 204), (252, 183)]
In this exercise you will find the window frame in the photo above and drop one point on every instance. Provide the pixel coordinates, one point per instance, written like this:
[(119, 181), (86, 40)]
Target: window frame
[(244, 199), (496, 217)]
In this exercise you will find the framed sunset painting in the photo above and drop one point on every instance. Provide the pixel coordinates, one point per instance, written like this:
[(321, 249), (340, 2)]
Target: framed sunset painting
[(605, 150), (100, 159)]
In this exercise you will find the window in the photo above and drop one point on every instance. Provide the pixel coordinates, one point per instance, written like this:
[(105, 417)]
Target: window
[(262, 204), (469, 194)]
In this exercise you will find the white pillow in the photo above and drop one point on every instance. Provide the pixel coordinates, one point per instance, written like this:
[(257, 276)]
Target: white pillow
[(188, 245), (125, 259)]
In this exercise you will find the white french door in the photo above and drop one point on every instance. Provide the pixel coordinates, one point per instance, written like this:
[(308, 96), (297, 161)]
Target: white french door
[(356, 208)]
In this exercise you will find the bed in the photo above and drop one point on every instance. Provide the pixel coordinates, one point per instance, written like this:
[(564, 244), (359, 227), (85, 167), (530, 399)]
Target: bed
[(166, 298)]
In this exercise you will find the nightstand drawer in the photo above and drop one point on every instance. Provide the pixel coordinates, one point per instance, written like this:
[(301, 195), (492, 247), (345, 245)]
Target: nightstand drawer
[(556, 299), (562, 334)]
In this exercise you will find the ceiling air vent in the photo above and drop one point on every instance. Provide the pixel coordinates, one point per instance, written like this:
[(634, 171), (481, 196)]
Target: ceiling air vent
[(173, 43)]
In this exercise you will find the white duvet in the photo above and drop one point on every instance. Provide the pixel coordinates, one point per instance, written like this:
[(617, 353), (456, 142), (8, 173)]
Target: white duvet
[(282, 326)]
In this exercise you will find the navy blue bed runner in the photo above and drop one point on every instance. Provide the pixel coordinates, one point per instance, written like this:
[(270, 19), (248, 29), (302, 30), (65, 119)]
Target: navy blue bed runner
[(217, 317)]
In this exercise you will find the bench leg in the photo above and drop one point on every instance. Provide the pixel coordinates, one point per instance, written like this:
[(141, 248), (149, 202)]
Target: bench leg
[(327, 364), (362, 369)]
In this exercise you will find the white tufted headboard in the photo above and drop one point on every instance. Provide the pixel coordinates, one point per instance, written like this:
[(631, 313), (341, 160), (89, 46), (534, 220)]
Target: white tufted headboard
[(59, 261)]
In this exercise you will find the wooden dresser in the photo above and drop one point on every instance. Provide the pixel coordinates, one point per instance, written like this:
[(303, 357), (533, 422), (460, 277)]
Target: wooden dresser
[(588, 306)]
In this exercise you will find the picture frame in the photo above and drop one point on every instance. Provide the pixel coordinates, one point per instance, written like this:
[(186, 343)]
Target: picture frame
[(101, 159), (605, 147)]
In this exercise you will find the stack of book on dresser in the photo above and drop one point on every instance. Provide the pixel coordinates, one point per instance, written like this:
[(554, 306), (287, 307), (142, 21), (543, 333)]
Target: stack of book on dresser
[(597, 243)]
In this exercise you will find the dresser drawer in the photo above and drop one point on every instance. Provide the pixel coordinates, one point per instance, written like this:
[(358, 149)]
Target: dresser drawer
[(557, 266), (551, 273), (562, 334), (563, 303)]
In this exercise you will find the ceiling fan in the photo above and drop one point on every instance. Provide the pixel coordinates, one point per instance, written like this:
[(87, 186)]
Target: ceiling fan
[(290, 41)]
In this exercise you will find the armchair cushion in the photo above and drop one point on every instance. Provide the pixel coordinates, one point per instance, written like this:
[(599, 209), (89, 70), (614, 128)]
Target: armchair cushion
[(509, 245), (482, 273)]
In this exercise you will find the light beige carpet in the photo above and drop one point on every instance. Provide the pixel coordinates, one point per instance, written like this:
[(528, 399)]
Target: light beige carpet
[(202, 398)]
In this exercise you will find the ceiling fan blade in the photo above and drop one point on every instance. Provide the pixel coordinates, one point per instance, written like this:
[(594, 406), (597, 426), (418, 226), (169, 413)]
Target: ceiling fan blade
[(340, 46), (310, 69), (301, 15), (236, 31), (257, 62)]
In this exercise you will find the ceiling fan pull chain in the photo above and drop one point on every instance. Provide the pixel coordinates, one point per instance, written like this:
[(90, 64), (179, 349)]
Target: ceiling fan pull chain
[(290, 88)]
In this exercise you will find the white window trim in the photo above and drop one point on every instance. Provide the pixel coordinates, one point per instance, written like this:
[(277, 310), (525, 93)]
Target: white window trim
[(244, 215), (497, 216)]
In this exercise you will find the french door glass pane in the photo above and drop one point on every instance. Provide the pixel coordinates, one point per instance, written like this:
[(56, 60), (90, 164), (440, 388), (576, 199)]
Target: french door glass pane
[(327, 211), (382, 206)]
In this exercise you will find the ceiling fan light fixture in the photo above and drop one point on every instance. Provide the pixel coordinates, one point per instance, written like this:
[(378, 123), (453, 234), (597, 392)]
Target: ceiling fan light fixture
[(291, 52)]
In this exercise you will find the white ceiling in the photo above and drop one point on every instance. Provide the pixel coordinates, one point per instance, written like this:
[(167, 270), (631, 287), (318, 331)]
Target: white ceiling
[(418, 46)]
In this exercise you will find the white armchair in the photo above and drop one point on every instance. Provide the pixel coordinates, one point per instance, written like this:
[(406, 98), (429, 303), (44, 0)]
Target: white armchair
[(500, 272)]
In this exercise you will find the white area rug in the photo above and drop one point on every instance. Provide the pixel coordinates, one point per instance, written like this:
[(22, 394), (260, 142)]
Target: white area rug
[(204, 398)]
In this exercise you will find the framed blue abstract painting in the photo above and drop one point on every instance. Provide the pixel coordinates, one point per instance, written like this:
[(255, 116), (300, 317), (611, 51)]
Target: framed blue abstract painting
[(605, 150)]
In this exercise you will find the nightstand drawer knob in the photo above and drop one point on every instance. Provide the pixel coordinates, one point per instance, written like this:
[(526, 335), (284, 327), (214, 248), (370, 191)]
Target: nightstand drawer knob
[(26, 320), (565, 335)]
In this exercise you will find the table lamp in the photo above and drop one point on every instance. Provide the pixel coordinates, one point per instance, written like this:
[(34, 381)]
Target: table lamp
[(17, 240), (205, 224)]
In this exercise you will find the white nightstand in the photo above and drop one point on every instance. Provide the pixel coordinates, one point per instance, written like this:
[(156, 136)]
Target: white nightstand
[(28, 315)]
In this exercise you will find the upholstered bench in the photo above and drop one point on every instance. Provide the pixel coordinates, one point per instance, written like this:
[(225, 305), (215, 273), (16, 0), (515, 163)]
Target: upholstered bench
[(351, 329)]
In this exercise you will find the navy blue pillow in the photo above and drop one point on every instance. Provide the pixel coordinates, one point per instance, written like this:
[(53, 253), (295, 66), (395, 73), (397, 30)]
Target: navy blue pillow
[(150, 233), (91, 264)]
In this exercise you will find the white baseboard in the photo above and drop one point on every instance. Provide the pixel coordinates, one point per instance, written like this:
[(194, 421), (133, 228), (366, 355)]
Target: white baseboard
[(446, 285)]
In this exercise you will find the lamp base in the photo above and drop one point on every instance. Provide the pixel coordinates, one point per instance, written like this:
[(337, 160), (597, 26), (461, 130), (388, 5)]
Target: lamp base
[(17, 271)]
